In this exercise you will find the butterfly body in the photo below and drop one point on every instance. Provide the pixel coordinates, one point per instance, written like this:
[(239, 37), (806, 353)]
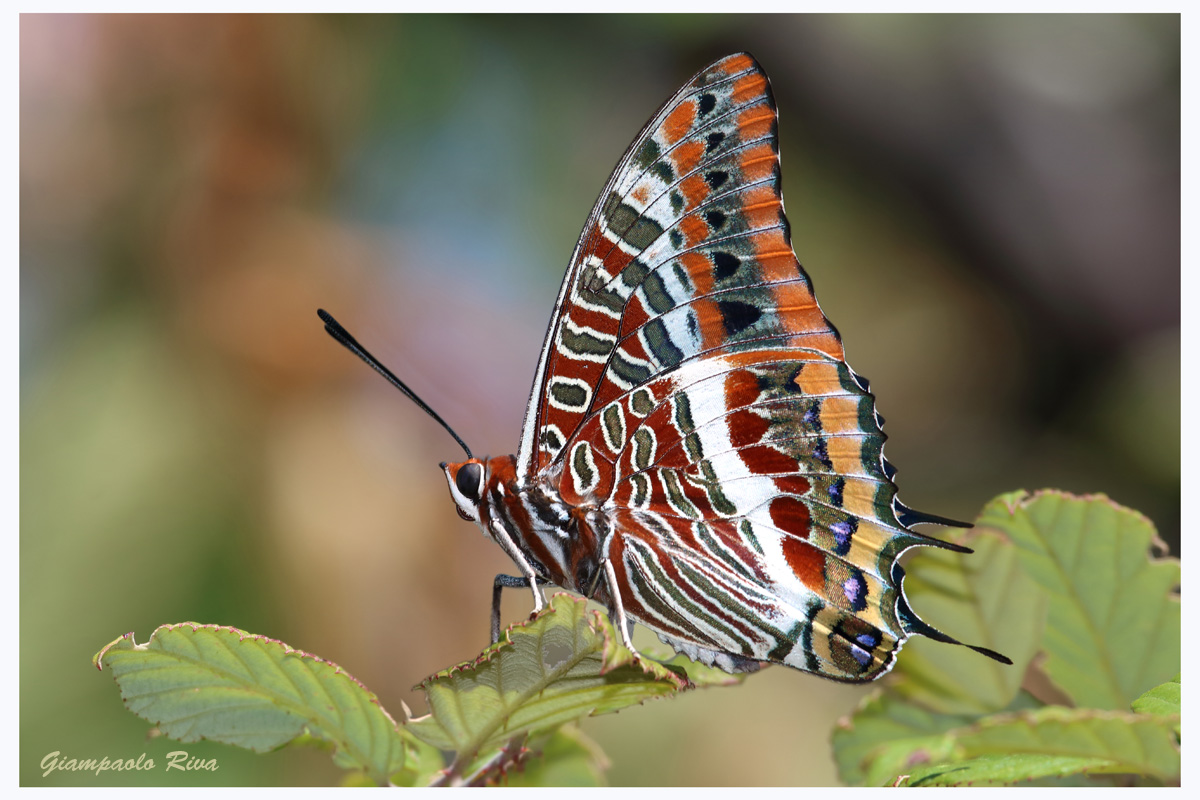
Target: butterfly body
[(550, 539), (696, 454), (731, 535)]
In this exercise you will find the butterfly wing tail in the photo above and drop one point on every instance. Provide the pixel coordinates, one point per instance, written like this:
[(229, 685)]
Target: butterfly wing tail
[(909, 517), (911, 623)]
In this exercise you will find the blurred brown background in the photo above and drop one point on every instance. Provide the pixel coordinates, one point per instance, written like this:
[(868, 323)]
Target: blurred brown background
[(988, 207)]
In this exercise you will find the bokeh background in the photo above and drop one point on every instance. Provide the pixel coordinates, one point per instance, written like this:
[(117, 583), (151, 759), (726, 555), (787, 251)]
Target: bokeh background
[(988, 207)]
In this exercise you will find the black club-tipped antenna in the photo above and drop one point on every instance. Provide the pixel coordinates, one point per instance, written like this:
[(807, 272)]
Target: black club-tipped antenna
[(335, 329)]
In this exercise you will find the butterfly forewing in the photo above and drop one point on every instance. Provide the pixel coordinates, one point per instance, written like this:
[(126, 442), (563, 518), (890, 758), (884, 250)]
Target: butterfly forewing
[(686, 249)]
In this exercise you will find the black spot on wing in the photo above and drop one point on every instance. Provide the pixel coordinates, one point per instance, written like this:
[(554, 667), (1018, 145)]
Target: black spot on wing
[(737, 316), (726, 263)]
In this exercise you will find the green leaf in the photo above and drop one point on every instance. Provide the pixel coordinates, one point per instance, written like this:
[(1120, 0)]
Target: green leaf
[(1131, 743), (564, 758), (1113, 628), (983, 598), (1163, 700), (212, 682), (887, 736), (422, 763), (698, 675), (557, 667), (1000, 770)]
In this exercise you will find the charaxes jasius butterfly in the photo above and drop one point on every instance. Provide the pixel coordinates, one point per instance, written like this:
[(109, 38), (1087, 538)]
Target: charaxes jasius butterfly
[(697, 455)]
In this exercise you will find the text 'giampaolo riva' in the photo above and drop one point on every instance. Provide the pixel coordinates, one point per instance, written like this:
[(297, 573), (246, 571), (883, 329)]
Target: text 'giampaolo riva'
[(176, 759)]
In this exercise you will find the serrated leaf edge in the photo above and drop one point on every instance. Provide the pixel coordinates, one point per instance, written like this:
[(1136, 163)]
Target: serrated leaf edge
[(288, 650), (613, 655), (242, 635), (1021, 499)]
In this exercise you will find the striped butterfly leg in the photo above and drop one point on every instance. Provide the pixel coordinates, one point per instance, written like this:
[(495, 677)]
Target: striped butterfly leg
[(616, 611), (532, 579), (510, 582)]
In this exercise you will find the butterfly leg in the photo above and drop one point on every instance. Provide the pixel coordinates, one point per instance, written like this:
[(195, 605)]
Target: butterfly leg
[(500, 534), (505, 582), (617, 612)]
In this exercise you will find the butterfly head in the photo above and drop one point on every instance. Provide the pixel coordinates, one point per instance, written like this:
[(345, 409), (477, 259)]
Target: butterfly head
[(468, 484)]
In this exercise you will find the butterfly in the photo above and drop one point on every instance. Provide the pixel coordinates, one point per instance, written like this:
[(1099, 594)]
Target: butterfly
[(697, 455)]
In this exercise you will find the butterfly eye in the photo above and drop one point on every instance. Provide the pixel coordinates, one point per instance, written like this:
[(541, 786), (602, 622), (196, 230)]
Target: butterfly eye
[(468, 480)]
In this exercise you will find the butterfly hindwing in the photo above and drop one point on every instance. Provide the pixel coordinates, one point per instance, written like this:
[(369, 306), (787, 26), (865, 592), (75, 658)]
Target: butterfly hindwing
[(765, 478), (700, 586)]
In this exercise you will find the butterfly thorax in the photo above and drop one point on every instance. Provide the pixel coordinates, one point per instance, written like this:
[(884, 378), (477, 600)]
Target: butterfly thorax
[(532, 524)]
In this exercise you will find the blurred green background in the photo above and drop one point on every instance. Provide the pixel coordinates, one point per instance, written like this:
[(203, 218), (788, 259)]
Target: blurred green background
[(988, 207)]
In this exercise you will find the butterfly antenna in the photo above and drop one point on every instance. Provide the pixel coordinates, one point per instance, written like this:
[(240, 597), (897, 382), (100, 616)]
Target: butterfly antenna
[(335, 329)]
